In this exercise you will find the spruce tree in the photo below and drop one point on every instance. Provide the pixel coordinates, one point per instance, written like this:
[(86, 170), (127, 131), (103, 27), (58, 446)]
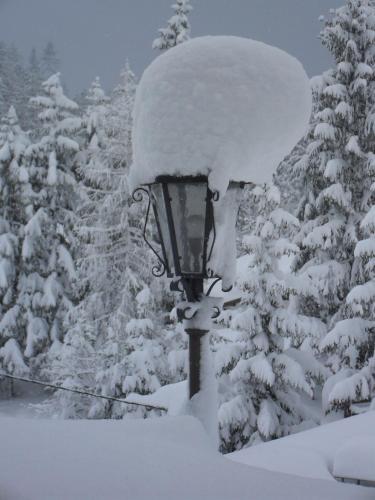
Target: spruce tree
[(18, 80), (338, 176), (35, 77), (114, 323), (351, 341), (14, 196), (289, 179), (48, 271), (18, 83), (33, 88), (50, 63), (178, 27), (3, 102), (264, 376), (13, 82), (129, 343), (75, 364)]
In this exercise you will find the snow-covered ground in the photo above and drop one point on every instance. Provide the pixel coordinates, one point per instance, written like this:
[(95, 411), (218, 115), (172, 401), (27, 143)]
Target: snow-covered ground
[(28, 396), (157, 459)]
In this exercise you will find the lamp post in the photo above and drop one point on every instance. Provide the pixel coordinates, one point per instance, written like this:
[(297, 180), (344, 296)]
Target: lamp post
[(207, 112), (185, 219)]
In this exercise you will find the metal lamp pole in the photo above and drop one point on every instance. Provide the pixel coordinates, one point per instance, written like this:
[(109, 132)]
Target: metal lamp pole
[(194, 292)]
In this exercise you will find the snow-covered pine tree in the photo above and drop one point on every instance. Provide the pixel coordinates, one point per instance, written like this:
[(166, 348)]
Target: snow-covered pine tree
[(129, 344), (49, 62), (115, 323), (18, 80), (2, 97), (289, 179), (351, 341), (338, 175), (263, 375), (35, 73), (178, 27), (13, 81), (14, 196), (73, 363), (18, 83), (290, 173), (33, 88), (5, 78), (47, 268)]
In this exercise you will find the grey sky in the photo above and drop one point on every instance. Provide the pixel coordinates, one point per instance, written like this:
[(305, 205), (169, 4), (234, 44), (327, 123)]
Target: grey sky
[(94, 37)]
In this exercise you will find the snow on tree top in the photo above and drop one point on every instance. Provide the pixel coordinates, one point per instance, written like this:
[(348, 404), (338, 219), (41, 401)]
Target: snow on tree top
[(227, 107)]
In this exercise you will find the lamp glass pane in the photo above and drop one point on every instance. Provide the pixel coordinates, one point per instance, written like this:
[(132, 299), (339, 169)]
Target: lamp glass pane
[(188, 205), (161, 216)]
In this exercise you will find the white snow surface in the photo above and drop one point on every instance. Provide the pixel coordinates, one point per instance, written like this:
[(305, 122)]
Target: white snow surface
[(25, 404), (173, 397), (223, 259), (204, 404), (356, 459), (227, 107), (168, 458), (312, 453)]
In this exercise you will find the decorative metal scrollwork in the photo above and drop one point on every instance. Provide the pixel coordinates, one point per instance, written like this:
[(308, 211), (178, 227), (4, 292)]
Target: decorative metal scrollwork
[(138, 195), (182, 314), (225, 290), (212, 286), (215, 195), (216, 312)]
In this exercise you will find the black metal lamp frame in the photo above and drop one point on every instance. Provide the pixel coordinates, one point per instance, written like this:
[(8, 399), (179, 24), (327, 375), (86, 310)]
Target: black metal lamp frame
[(163, 267)]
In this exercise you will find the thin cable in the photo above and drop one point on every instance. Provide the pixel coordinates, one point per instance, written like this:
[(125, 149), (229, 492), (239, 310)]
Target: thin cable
[(109, 398)]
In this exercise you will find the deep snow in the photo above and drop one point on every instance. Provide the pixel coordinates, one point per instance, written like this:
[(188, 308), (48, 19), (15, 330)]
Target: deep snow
[(228, 107), (312, 453), (355, 459), (168, 458)]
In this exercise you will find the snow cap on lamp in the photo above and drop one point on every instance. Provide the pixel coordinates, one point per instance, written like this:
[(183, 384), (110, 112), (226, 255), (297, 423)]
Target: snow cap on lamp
[(227, 107)]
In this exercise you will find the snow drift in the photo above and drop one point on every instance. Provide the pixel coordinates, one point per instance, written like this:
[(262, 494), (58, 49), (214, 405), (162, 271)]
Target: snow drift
[(167, 458), (335, 449)]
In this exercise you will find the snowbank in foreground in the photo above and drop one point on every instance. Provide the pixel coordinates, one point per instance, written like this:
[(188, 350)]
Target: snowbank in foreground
[(356, 458), (167, 458), (310, 453), (222, 106)]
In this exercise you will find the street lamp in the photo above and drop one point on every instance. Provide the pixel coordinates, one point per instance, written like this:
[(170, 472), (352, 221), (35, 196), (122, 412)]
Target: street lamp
[(184, 213), (210, 114)]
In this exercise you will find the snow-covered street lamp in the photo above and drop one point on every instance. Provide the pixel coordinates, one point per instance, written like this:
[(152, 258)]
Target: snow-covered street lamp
[(210, 115), (184, 215)]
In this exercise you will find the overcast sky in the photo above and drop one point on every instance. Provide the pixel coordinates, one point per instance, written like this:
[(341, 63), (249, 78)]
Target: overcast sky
[(94, 37)]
